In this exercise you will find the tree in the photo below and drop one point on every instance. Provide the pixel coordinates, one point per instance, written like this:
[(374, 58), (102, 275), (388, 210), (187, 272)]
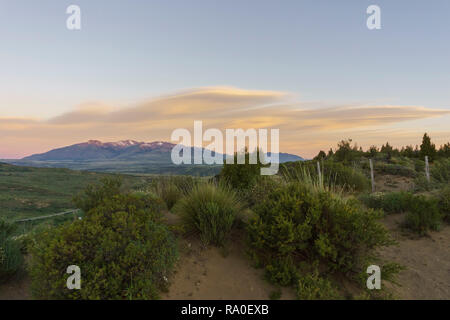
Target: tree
[(373, 150), (321, 155), (346, 152), (427, 148)]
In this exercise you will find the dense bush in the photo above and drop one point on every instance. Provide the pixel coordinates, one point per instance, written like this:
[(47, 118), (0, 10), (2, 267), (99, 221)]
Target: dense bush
[(423, 215), (121, 247), (440, 171), (395, 169), (313, 287), (296, 223), (258, 192), (393, 202), (210, 211), (241, 176), (94, 194), (11, 258), (444, 203)]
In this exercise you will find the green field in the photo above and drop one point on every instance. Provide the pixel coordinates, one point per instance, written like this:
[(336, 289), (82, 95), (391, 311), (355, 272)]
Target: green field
[(27, 192)]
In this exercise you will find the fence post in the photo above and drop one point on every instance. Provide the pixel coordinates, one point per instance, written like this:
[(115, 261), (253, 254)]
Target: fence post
[(371, 175), (427, 169), (319, 173)]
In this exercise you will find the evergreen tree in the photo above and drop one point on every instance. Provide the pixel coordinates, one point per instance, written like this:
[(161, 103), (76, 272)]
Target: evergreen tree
[(427, 148)]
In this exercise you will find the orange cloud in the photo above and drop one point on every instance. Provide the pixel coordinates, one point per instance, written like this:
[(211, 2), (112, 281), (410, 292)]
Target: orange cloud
[(304, 127)]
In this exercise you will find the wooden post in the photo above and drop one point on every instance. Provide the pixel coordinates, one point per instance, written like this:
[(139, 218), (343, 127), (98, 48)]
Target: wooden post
[(371, 175), (427, 169), (319, 173)]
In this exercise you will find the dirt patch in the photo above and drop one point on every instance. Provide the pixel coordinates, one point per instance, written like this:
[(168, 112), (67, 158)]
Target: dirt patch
[(427, 260), (17, 288), (212, 273), (390, 183)]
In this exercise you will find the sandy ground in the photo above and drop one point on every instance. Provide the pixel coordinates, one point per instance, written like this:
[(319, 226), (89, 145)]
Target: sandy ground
[(427, 260), (390, 183), (17, 288), (212, 273)]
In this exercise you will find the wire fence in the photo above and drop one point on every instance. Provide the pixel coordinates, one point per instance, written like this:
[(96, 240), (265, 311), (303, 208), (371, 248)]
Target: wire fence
[(49, 216)]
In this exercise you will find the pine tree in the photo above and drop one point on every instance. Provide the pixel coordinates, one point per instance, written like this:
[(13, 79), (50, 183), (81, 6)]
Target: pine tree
[(427, 148)]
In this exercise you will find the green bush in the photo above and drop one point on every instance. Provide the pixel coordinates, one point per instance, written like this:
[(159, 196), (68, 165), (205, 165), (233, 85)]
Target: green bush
[(94, 194), (333, 174), (241, 176), (444, 203), (423, 215), (393, 202), (296, 223), (314, 287), (210, 211), (440, 171), (121, 247), (395, 169), (258, 192), (11, 258)]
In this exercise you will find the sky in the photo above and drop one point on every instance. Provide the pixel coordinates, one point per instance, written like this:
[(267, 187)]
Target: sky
[(141, 69)]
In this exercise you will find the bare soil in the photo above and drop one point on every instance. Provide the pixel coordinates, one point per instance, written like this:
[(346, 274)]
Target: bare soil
[(213, 273), (390, 183), (427, 260), (17, 288)]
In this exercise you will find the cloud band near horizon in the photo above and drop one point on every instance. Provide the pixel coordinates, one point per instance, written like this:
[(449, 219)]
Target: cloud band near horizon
[(305, 127)]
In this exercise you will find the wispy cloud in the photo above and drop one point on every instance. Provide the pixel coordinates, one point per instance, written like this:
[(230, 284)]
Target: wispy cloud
[(304, 128)]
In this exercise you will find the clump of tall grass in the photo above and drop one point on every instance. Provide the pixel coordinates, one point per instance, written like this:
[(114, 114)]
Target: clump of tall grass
[(210, 211), (306, 175), (172, 188)]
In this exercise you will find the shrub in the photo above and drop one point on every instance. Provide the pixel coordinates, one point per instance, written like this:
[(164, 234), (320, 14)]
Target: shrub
[(121, 247), (444, 203), (440, 171), (395, 169), (314, 287), (94, 194), (423, 215), (152, 202), (419, 165), (296, 223), (241, 176), (333, 174), (11, 258), (393, 202), (210, 211), (258, 192)]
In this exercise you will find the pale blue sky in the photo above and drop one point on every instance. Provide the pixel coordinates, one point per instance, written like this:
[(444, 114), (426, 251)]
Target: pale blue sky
[(224, 54), (132, 50)]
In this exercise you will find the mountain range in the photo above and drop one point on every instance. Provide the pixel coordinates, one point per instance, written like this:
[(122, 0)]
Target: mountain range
[(126, 156)]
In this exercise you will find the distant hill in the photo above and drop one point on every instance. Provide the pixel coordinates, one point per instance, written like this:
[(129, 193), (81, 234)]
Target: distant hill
[(127, 156), (96, 150)]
